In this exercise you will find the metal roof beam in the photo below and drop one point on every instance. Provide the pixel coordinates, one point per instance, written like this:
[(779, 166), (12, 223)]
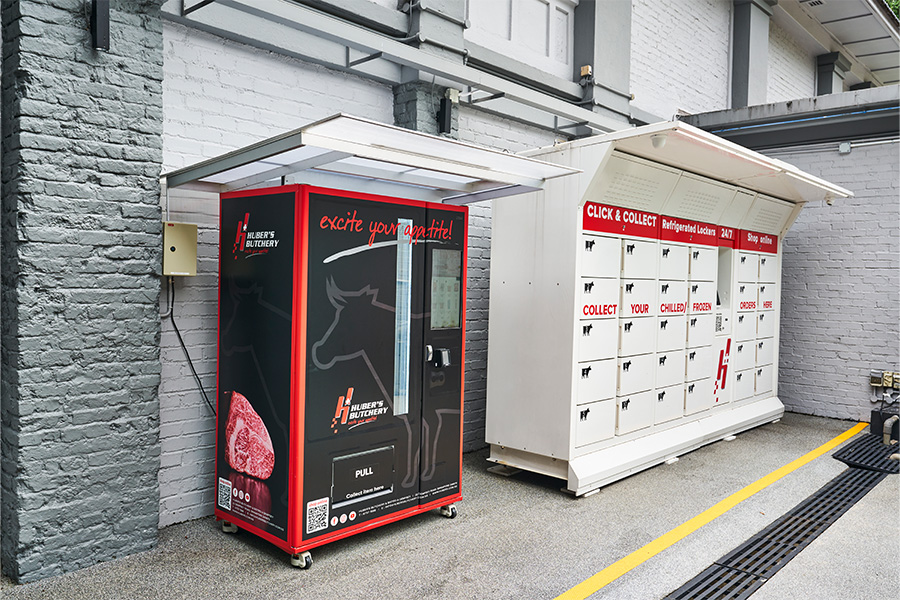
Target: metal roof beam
[(300, 165)]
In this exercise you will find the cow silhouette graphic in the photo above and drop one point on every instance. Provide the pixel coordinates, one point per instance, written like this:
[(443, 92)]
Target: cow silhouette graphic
[(584, 414), (665, 252), (625, 404), (585, 373), (589, 245), (662, 360), (588, 287), (586, 329), (660, 396), (629, 287), (627, 326), (692, 355), (696, 254), (691, 389), (629, 249), (665, 288), (626, 366), (694, 322), (663, 324)]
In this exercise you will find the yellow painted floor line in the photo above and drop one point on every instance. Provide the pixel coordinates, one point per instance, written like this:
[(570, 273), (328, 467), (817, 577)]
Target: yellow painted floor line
[(619, 568)]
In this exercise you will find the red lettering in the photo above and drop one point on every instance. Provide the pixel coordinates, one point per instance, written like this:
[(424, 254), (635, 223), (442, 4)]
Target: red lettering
[(701, 306), (638, 309), (748, 305), (767, 304), (599, 310)]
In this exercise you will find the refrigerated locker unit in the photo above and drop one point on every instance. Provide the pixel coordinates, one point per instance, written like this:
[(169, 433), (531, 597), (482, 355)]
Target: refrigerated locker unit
[(340, 369), (634, 307)]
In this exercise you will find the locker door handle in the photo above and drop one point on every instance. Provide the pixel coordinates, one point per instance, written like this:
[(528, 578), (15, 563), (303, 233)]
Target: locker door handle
[(429, 353), (438, 357)]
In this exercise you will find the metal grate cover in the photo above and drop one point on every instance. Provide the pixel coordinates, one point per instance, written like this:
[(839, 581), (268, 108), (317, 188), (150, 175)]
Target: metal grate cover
[(869, 452), (743, 570)]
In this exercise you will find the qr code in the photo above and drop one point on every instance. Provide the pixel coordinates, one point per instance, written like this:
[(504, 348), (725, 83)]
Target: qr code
[(316, 515), (224, 494)]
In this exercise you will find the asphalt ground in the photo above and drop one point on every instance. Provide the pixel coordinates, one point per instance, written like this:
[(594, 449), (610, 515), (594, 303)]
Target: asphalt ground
[(522, 538)]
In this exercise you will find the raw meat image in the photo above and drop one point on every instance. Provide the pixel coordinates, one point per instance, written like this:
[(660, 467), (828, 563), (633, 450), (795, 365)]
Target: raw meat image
[(248, 446)]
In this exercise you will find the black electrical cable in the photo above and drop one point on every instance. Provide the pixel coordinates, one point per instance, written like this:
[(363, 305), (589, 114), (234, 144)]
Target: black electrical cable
[(186, 354)]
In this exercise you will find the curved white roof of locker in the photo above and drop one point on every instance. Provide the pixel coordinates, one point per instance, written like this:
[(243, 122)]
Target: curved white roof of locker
[(688, 148), (357, 154)]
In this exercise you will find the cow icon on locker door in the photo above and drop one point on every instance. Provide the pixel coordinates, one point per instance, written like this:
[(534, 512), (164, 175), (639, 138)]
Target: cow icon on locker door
[(585, 372), (584, 414)]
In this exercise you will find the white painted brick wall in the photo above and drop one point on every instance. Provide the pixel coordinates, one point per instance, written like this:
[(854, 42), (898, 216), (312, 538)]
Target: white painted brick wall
[(841, 292), (792, 68), (680, 55)]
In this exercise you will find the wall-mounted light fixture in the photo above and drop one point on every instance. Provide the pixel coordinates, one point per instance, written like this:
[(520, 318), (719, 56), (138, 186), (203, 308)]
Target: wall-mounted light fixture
[(100, 24)]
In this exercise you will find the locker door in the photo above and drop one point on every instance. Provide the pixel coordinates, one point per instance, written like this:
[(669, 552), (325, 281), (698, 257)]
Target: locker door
[(365, 326)]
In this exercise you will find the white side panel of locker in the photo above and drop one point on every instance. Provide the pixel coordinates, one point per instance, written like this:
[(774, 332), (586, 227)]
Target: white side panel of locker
[(669, 403), (637, 336), (765, 351), (742, 202), (701, 297), (704, 263), (698, 363), (673, 261), (699, 199), (599, 292), (673, 296), (768, 267), (639, 259), (671, 333), (748, 267), (746, 296), (744, 356), (743, 384), (767, 215), (766, 324), (594, 422), (600, 256), (596, 380), (698, 395), (765, 379), (638, 298), (669, 368), (701, 330), (745, 327), (596, 339), (634, 183), (637, 373), (767, 296), (635, 411)]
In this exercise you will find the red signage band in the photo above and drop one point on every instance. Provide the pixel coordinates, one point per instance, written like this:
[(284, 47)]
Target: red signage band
[(727, 236), (620, 221), (758, 242), (673, 229)]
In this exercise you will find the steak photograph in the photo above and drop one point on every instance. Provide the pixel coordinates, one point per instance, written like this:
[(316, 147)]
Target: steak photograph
[(248, 445)]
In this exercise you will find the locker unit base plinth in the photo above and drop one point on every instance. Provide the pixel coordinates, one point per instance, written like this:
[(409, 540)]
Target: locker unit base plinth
[(594, 470)]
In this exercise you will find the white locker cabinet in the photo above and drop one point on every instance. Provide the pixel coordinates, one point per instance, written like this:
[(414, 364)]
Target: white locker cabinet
[(701, 330), (669, 403), (670, 368), (701, 297), (639, 259), (596, 380), (634, 411), (596, 338), (637, 373), (671, 333), (637, 336), (613, 278), (699, 363), (744, 355), (704, 263), (638, 298), (745, 326), (600, 256), (673, 262), (766, 324), (744, 384), (765, 351), (764, 379), (748, 267), (747, 296), (768, 269), (599, 297), (594, 422), (767, 296), (698, 395)]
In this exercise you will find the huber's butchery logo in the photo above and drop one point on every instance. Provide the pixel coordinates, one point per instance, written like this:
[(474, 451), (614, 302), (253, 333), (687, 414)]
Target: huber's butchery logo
[(348, 415), (251, 243)]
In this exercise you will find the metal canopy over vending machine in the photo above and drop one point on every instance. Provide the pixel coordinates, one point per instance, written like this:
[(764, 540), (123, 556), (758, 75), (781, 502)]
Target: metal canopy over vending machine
[(342, 324), (634, 307)]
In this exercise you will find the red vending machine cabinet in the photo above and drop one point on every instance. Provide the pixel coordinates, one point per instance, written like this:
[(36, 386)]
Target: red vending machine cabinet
[(340, 362)]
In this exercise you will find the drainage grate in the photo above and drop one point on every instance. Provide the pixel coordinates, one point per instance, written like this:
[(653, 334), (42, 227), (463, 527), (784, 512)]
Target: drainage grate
[(869, 452), (743, 570)]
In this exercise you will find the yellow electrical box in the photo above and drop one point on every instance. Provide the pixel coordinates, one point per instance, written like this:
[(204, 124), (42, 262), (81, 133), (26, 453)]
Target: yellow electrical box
[(179, 249)]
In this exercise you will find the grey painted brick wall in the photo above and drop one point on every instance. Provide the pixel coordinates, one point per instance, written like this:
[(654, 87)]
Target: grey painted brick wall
[(80, 286), (840, 313)]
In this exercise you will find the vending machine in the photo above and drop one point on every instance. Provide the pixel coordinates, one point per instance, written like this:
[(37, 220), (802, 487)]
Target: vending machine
[(340, 362)]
